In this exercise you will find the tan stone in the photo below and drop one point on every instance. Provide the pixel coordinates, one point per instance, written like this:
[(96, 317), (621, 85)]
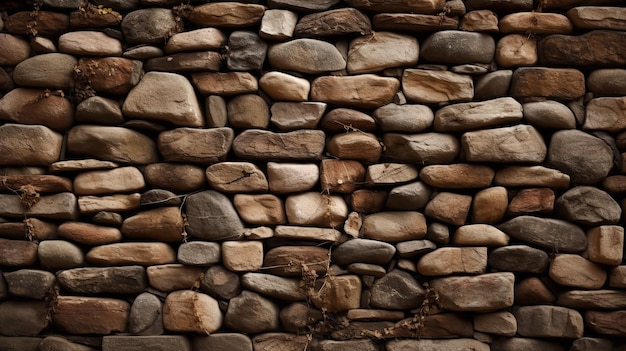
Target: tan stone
[(262, 145), (307, 233), (422, 6), (242, 256), (89, 234), (130, 253), (315, 209), (536, 23), (355, 146), (290, 260), (549, 322), (60, 206), (342, 176), (443, 345), (224, 83), (265, 209), (430, 87), (482, 293), (421, 148), (453, 260), (125, 179), (374, 53), (533, 200), (605, 113), (457, 176), (476, 115), (236, 177), (17, 50), (285, 87), (593, 299), (297, 115), (489, 205), (226, 15), (306, 55), (196, 40), (576, 271), (598, 17), (75, 315), (115, 203), (28, 145), (338, 294), (81, 165), (248, 111), (191, 311), (390, 173), (35, 106), (413, 22), (38, 183), (174, 177), (360, 91), (291, 177), (394, 226), (516, 50), (520, 143), (171, 277), (449, 208), (617, 277), (606, 244), (368, 201), (498, 323), (162, 224), (46, 71), (89, 43), (202, 146), (480, 235), (278, 24), (539, 176), (407, 118), (480, 21), (344, 119), (558, 83)]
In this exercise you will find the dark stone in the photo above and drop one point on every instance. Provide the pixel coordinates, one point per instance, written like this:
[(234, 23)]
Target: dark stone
[(548, 233), (519, 258)]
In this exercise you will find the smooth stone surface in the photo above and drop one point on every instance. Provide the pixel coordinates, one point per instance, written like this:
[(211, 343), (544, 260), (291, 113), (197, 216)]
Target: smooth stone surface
[(28, 145), (297, 115), (407, 118), (576, 271), (52, 71), (196, 40), (273, 286), (355, 146), (394, 226), (549, 114), (203, 207), (509, 144), (34, 106), (584, 157), (477, 115), (199, 253), (123, 180), (564, 236), (291, 177), (458, 47), (23, 318), (374, 53), (114, 144), (131, 253), (309, 56), (588, 206), (89, 43), (453, 260), (224, 83), (285, 87), (363, 251), (549, 321), (315, 209), (519, 258), (74, 315), (251, 313), (607, 82)]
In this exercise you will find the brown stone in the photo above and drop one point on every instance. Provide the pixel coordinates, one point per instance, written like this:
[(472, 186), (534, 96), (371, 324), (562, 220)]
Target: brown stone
[(186, 61), (338, 294), (533, 200), (343, 119), (116, 203), (549, 322), (453, 260), (458, 47), (598, 17), (595, 48), (593, 299), (252, 313), (394, 226), (413, 22), (17, 252), (449, 208), (531, 176), (89, 234), (179, 178), (191, 311), (105, 280), (74, 315), (279, 341), (226, 15), (342, 176), (17, 50), (424, 148), (489, 205), (204, 146), (170, 277), (345, 21), (604, 113), (196, 40), (361, 91), (477, 115), (60, 206), (289, 260), (536, 23), (480, 21), (430, 87), (242, 256), (520, 143), (48, 23), (224, 83), (38, 183), (111, 75), (315, 209), (257, 144), (90, 16), (368, 201), (236, 177), (589, 206), (28, 145), (248, 111), (123, 180), (28, 228), (374, 53), (408, 6), (355, 146), (606, 323), (533, 291), (558, 83), (480, 235), (497, 323), (519, 258), (307, 233), (162, 224), (486, 292), (606, 244), (130, 253), (278, 24), (32, 106), (307, 56), (576, 271), (390, 173), (284, 87), (22, 318), (457, 176), (516, 50), (265, 209), (220, 282)]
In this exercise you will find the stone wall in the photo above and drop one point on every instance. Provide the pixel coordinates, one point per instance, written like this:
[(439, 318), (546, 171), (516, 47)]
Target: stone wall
[(312, 175)]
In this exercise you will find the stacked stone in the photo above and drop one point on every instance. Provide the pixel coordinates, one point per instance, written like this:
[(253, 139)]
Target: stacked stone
[(321, 175)]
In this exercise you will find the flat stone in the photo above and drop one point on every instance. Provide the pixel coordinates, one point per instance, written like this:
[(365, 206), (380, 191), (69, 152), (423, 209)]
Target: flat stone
[(247, 51), (457, 176), (258, 233), (221, 283), (223, 342), (99, 110), (607, 82), (591, 343), (137, 343), (285, 87), (310, 56), (412, 196), (480, 235), (408, 118), (242, 256), (338, 22), (23, 318), (292, 177), (89, 43), (143, 52), (597, 17), (525, 344), (458, 47), (367, 269), (576, 271), (203, 146), (588, 205), (124, 180), (390, 173), (278, 24), (497, 323), (263, 145), (224, 83), (88, 233), (605, 323), (29, 283), (549, 321), (596, 299), (74, 315), (585, 158), (549, 114), (51, 71), (296, 115), (34, 106), (606, 244), (341, 176), (449, 208), (106, 280), (532, 200), (413, 22), (110, 75), (116, 144), (338, 294), (227, 15), (564, 236), (374, 53), (290, 261), (28, 145), (55, 343), (29, 228), (557, 83), (273, 286), (162, 96), (477, 115), (17, 51), (360, 91), (480, 21), (518, 176), (344, 119), (48, 23), (181, 178), (363, 251), (519, 258), (251, 313), (191, 311), (519, 143), (196, 40), (453, 260), (171, 277), (185, 62), (604, 114), (236, 177), (355, 146), (199, 253), (159, 224), (493, 85), (595, 48), (114, 203), (516, 50), (149, 26), (486, 292), (443, 345), (263, 209), (248, 111), (536, 22), (81, 165), (424, 148), (412, 248), (332, 345), (204, 208), (279, 342), (38, 183), (430, 87), (61, 206), (131, 253), (58, 254), (394, 226), (315, 209), (423, 6)]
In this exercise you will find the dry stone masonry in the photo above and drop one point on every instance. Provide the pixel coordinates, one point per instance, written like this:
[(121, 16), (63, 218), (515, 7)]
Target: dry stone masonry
[(375, 175)]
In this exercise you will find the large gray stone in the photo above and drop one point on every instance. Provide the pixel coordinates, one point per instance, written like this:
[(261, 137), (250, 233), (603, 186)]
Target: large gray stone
[(397, 290), (140, 343), (547, 233), (584, 157), (310, 56), (149, 26), (519, 258), (246, 51), (458, 47), (589, 206), (145, 315), (211, 216)]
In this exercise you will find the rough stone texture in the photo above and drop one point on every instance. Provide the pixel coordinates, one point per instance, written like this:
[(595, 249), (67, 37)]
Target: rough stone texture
[(576, 271), (486, 292), (519, 258), (251, 313), (23, 318), (407, 292), (452, 260), (247, 51), (136, 343), (220, 282), (123, 180), (258, 144), (450, 208), (338, 294), (607, 82), (509, 144), (35, 145), (290, 260), (557, 83), (192, 145), (211, 215), (310, 56), (431, 148), (333, 22), (430, 87), (588, 206), (148, 26), (394, 226), (549, 321), (74, 314), (190, 311), (29, 283), (282, 86), (315, 209), (598, 47), (360, 91), (226, 14), (374, 53), (457, 176), (564, 236), (470, 116), (131, 253)]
